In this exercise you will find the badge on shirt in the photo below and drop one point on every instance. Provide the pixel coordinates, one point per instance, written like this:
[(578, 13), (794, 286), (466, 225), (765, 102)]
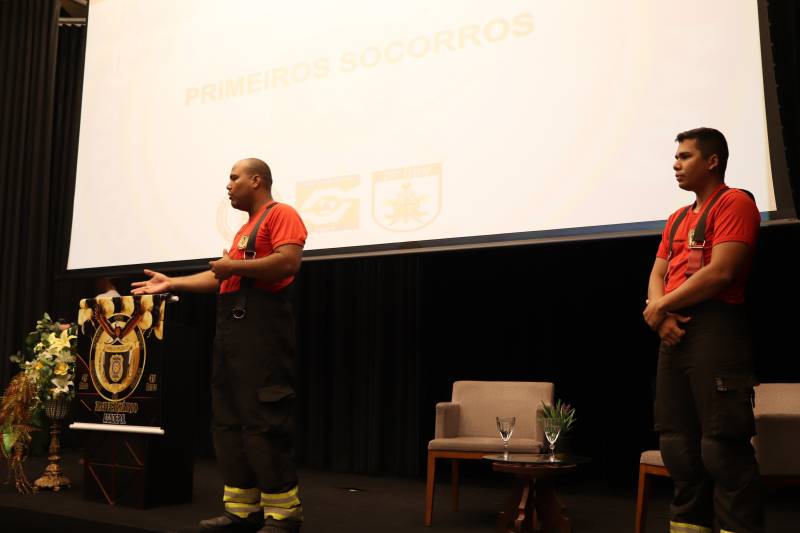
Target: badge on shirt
[(691, 236), (242, 242)]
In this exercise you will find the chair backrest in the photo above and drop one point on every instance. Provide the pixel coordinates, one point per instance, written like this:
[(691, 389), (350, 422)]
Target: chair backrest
[(777, 413), (482, 401), (777, 399)]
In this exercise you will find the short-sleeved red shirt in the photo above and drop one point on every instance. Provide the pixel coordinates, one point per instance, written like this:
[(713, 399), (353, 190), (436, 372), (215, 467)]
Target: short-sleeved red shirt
[(734, 217), (283, 225)]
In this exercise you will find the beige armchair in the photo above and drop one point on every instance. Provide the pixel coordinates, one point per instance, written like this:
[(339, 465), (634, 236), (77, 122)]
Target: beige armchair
[(466, 426), (777, 414)]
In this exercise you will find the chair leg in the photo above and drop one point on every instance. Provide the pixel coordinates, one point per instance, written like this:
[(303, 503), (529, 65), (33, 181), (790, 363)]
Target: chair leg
[(641, 500), (454, 476), (429, 484)]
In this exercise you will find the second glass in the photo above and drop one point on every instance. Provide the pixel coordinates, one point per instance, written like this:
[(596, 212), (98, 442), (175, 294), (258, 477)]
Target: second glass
[(552, 429)]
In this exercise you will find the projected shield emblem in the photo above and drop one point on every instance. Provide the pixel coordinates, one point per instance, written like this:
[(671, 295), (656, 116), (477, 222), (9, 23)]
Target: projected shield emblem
[(407, 199), (117, 365)]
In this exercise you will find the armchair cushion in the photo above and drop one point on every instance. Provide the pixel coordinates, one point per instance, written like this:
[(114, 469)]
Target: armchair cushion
[(652, 457), (484, 444)]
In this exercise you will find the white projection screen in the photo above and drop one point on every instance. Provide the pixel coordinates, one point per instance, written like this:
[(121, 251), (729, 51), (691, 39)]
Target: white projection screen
[(411, 125)]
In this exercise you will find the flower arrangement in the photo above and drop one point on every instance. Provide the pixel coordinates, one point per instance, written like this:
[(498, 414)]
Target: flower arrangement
[(561, 411), (50, 358), (47, 372)]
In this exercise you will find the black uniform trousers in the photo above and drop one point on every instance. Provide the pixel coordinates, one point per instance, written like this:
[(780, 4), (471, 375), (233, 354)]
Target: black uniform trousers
[(703, 412), (252, 392)]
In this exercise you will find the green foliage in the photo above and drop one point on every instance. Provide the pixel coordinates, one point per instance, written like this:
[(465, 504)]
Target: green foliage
[(561, 411), (49, 357)]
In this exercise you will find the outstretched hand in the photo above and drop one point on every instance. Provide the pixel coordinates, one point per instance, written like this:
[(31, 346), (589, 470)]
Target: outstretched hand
[(157, 284), (222, 267)]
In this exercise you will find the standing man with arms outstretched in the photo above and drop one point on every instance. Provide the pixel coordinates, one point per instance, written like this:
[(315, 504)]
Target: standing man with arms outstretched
[(252, 382), (704, 385)]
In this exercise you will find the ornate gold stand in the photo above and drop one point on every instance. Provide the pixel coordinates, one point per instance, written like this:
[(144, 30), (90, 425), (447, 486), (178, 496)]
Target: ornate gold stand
[(53, 478)]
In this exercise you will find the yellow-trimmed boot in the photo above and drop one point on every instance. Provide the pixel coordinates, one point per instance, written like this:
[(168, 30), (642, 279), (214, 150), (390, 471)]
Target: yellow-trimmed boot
[(243, 512), (680, 527), (283, 512)]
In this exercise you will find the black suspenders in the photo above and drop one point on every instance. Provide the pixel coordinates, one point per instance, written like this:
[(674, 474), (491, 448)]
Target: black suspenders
[(674, 229), (697, 238), (240, 307)]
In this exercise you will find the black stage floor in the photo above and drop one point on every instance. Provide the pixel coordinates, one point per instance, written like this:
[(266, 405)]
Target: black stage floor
[(332, 506)]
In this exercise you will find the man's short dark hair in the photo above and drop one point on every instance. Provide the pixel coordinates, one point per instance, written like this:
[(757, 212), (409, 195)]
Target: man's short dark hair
[(709, 141), (257, 166)]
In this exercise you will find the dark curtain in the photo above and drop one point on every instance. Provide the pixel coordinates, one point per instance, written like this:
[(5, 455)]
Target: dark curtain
[(28, 50), (359, 371), (66, 125), (784, 18)]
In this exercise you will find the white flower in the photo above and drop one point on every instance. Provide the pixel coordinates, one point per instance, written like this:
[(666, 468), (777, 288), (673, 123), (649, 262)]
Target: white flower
[(65, 357), (56, 344), (61, 383)]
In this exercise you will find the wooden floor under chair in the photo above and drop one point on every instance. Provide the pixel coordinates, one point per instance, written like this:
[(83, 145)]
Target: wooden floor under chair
[(431, 477), (383, 504)]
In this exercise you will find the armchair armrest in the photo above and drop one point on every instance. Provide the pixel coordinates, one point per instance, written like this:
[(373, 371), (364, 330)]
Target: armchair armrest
[(447, 420)]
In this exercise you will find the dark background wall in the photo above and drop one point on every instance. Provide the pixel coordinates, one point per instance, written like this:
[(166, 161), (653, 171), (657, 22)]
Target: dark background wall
[(382, 339)]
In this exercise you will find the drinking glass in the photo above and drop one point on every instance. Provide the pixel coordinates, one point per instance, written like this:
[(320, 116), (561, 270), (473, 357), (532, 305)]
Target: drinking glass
[(505, 425), (552, 429)]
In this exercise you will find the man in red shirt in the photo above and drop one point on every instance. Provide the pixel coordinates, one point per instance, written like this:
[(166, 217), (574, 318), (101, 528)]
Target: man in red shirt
[(704, 383), (254, 350)]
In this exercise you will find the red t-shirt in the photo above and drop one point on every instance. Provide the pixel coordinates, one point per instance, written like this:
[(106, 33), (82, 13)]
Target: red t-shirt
[(283, 225), (734, 217)]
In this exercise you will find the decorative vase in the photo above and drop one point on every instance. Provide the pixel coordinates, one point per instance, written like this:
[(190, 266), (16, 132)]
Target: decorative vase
[(52, 478)]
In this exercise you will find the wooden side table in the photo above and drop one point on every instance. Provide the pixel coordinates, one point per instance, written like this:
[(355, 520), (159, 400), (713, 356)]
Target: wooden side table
[(534, 505)]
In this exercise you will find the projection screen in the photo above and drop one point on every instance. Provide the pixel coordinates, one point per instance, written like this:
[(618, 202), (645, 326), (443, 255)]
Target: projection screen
[(413, 125)]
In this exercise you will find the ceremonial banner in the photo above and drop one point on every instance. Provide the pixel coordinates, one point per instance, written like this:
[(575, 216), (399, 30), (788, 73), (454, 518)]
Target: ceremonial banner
[(118, 376), (138, 432)]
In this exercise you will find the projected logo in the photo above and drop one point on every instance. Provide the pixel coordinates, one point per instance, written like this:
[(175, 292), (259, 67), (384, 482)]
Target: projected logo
[(330, 204), (407, 199), (229, 220)]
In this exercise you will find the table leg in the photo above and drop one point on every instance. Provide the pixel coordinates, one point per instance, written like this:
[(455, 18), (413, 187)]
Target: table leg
[(551, 510), (520, 516)]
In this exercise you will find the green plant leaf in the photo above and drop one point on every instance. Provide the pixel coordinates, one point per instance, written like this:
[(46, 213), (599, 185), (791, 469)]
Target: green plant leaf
[(561, 411), (9, 439)]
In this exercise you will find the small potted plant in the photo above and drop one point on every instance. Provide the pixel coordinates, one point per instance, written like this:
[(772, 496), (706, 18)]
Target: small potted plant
[(557, 420)]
